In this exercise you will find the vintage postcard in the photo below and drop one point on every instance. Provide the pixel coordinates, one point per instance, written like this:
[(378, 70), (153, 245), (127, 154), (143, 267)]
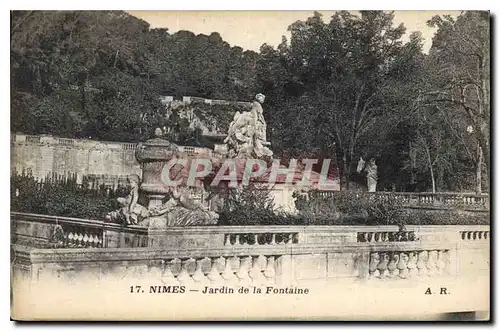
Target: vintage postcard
[(250, 165)]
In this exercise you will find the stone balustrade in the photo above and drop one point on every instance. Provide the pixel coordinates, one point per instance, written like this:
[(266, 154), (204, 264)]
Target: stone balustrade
[(261, 238), (50, 231), (409, 264), (220, 270), (343, 261), (76, 237), (387, 236), (475, 235), (468, 201), (330, 262), (251, 253)]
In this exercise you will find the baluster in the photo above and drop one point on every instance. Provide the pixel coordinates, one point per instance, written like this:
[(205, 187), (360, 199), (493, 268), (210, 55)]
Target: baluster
[(440, 263), (242, 273), (403, 265), (360, 238), (69, 242), (374, 261), (74, 240), (80, 240), (262, 262), (385, 236), (382, 266), (167, 277), (99, 241), (214, 274), (412, 264), (392, 236), (184, 276), (92, 240), (85, 240), (228, 273), (256, 272), (198, 275), (270, 271), (421, 263), (432, 263), (370, 236), (392, 267)]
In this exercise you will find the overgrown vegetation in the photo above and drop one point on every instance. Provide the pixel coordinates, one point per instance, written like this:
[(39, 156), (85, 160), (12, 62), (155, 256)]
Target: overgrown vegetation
[(62, 196), (253, 206), (341, 87)]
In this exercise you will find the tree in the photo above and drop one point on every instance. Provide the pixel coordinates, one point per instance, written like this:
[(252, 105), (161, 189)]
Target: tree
[(101, 73), (459, 65), (346, 77)]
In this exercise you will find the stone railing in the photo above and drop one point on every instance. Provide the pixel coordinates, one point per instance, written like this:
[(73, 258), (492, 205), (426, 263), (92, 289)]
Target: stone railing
[(341, 251), (55, 232), (320, 259), (467, 201)]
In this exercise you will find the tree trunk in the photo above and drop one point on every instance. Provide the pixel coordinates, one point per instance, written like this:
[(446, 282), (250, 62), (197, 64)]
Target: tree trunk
[(429, 160), (478, 169), (345, 172)]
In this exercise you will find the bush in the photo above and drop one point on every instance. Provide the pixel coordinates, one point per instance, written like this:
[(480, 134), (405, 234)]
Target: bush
[(374, 209), (446, 217), (361, 208), (243, 206), (253, 206), (62, 196)]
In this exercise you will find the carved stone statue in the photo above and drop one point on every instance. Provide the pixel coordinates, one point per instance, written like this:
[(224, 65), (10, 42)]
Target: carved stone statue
[(247, 132), (130, 212), (371, 175), (179, 210)]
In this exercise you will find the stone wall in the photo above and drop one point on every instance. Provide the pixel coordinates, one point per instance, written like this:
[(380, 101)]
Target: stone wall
[(44, 155), (359, 265)]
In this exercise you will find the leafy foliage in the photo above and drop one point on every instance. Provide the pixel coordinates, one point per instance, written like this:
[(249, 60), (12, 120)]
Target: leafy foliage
[(101, 73), (341, 88), (62, 197), (372, 208)]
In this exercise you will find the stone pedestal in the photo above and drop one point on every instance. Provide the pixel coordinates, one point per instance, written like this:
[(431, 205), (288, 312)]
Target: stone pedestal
[(153, 155)]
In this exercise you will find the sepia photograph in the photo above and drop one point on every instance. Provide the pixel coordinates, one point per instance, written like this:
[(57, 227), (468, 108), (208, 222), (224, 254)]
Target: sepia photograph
[(251, 165)]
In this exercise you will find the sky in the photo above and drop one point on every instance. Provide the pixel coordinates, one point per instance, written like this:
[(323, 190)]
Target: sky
[(251, 29)]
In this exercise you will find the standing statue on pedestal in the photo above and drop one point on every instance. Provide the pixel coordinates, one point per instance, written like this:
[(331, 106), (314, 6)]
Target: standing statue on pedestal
[(371, 173), (246, 136)]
